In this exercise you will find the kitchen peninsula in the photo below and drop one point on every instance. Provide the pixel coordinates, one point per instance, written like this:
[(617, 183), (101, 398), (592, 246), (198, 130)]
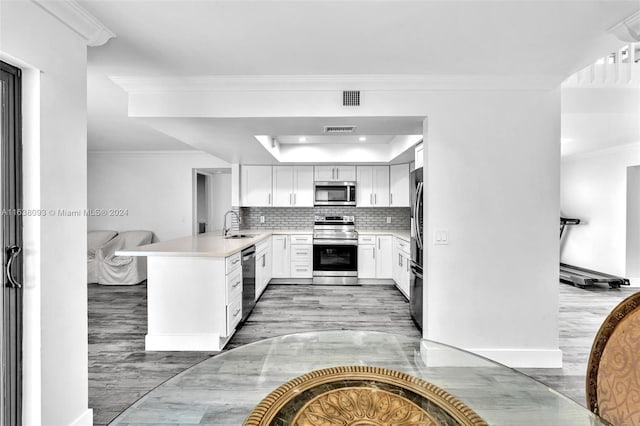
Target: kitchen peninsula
[(194, 288)]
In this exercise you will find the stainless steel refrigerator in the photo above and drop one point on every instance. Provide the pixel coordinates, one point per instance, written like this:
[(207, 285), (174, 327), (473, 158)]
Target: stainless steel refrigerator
[(417, 225)]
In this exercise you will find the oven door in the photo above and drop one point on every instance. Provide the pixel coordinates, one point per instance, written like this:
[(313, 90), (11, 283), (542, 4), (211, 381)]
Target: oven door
[(334, 194), (335, 258)]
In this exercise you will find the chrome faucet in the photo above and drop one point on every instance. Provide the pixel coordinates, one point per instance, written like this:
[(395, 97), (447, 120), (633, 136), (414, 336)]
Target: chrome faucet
[(225, 230)]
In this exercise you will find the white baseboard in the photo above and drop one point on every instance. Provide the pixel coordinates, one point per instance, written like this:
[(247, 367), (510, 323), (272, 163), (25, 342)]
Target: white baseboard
[(86, 419), (514, 358), (182, 342)]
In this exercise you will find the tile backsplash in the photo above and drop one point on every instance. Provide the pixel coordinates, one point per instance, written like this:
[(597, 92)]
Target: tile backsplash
[(302, 217)]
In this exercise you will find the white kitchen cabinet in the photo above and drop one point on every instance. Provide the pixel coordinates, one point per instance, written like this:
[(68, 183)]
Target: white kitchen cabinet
[(366, 261), (384, 246), (281, 256), (400, 265), (293, 186), (263, 266), (200, 314), (373, 186), (399, 185), (301, 256), (374, 256), (335, 173), (256, 186)]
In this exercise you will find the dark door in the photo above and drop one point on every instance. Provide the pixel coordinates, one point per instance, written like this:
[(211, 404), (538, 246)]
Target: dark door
[(11, 229)]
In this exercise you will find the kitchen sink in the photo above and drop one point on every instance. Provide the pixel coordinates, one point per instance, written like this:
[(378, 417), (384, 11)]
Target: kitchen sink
[(235, 236)]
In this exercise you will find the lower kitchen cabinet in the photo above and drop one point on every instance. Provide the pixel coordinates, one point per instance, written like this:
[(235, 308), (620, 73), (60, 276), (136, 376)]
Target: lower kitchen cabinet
[(292, 256), (194, 303), (400, 265), (263, 266), (281, 256), (301, 256), (374, 256), (366, 261)]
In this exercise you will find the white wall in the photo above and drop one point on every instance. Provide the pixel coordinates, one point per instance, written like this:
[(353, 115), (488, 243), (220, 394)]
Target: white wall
[(492, 170), (54, 143), (594, 190), (220, 199), (156, 189)]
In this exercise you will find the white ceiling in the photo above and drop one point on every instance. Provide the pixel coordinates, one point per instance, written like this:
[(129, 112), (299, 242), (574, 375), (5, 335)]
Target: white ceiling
[(325, 37)]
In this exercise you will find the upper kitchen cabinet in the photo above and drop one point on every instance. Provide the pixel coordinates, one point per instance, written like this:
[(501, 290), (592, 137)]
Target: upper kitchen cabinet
[(373, 186), (255, 186), (335, 173), (399, 185), (293, 186)]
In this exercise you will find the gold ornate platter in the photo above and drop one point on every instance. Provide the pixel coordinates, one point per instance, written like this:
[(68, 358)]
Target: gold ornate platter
[(358, 396)]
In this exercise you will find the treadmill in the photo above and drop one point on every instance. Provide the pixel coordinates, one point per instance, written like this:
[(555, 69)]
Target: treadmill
[(581, 277)]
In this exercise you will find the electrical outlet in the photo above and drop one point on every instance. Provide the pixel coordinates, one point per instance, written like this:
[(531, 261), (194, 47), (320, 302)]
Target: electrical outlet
[(261, 219), (388, 219)]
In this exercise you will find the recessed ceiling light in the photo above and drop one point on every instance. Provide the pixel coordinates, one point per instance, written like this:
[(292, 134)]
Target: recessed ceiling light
[(362, 138), (302, 139)]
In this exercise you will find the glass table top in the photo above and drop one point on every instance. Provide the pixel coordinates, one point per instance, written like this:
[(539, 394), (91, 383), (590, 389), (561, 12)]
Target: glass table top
[(224, 389)]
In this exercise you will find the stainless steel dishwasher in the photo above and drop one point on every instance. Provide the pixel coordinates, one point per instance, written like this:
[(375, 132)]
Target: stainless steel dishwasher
[(248, 281)]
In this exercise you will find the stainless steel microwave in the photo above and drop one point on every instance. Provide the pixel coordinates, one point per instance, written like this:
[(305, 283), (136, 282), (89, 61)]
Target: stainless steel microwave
[(334, 194)]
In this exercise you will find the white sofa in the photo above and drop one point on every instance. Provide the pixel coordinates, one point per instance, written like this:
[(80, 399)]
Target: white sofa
[(95, 240), (123, 270)]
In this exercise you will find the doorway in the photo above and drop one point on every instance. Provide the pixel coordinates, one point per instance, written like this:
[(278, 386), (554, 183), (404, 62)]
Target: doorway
[(11, 235), (211, 198)]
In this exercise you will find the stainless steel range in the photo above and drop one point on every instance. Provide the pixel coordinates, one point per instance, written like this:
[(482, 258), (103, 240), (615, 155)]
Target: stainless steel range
[(335, 250)]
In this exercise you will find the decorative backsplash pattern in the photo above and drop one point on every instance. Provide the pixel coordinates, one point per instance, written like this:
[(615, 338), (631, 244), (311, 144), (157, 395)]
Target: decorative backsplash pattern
[(302, 217)]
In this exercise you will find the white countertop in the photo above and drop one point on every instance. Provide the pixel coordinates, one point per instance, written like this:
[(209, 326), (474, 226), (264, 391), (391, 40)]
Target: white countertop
[(209, 244), (213, 244), (404, 234)]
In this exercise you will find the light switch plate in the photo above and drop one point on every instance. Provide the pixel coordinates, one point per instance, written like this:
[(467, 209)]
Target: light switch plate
[(441, 237), (388, 219), (261, 219)]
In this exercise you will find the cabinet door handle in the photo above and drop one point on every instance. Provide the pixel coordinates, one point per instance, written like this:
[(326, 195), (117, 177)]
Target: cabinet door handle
[(236, 284), (269, 202), (235, 314), (263, 260), (294, 199), (390, 199), (379, 244), (338, 173), (285, 243), (375, 199), (333, 174), (371, 199), (374, 252), (290, 199), (399, 260), (235, 261)]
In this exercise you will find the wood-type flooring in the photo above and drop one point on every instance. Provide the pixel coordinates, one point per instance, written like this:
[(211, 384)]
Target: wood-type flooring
[(120, 371)]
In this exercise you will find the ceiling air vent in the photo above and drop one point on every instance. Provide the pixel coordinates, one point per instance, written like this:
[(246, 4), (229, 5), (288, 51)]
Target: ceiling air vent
[(339, 129), (351, 98)]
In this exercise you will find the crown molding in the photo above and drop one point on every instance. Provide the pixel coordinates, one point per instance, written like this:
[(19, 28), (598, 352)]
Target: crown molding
[(628, 30), (78, 19), (399, 82)]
